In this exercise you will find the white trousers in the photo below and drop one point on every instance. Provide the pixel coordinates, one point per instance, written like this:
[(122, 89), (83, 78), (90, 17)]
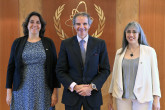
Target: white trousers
[(128, 104)]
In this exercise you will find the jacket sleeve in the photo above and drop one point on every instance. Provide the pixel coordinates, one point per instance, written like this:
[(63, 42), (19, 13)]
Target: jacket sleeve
[(155, 74), (55, 82), (62, 68), (104, 67), (11, 66), (113, 73)]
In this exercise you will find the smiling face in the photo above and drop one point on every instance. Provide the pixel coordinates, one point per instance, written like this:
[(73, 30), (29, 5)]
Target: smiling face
[(132, 35), (34, 25), (81, 26)]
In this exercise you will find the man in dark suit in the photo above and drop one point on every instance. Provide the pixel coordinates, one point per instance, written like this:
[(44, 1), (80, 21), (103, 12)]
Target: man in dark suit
[(82, 67)]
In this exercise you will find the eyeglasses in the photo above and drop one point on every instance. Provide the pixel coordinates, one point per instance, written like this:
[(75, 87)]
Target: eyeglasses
[(133, 32)]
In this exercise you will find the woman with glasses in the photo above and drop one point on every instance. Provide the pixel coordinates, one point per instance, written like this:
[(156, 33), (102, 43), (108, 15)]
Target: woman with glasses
[(135, 77)]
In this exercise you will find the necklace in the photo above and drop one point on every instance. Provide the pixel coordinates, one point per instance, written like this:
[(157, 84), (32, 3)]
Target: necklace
[(131, 54)]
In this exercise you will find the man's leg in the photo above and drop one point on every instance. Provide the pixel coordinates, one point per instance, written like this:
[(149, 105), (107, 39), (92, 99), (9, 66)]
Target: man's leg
[(86, 106), (77, 106)]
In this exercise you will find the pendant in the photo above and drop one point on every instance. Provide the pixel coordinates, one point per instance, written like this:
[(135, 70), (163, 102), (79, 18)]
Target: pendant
[(131, 54)]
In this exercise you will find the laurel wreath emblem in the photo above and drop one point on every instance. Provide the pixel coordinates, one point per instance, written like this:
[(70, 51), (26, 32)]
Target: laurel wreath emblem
[(101, 24), (63, 35)]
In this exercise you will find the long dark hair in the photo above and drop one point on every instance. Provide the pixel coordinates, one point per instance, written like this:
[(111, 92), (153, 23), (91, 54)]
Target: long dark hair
[(142, 38), (25, 24)]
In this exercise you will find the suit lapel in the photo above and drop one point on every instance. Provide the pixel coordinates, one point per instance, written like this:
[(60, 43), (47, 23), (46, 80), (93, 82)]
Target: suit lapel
[(20, 47), (120, 78), (76, 49), (139, 76), (89, 49), (92, 48), (89, 45), (19, 50)]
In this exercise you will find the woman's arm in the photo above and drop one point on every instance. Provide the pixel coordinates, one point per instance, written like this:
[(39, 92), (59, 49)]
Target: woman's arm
[(156, 103), (54, 98), (9, 96)]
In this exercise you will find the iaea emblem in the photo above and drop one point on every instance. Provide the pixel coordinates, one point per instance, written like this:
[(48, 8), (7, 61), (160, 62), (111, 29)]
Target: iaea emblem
[(60, 31)]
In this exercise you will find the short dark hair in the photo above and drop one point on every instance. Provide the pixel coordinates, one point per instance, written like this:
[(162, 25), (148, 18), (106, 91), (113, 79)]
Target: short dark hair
[(25, 24), (142, 38), (82, 14)]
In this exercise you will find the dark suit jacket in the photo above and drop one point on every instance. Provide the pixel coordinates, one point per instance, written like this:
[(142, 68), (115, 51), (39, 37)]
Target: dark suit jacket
[(15, 65), (70, 68)]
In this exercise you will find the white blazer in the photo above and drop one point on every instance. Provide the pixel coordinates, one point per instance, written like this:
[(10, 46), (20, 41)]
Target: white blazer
[(147, 79)]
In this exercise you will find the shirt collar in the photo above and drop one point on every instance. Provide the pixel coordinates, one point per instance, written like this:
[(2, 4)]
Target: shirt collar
[(86, 39)]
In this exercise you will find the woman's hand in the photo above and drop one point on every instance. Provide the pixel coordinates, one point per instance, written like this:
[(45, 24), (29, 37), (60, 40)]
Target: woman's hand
[(156, 103), (110, 105), (9, 97), (54, 98)]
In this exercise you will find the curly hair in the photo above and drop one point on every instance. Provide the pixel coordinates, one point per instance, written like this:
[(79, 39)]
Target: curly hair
[(25, 24)]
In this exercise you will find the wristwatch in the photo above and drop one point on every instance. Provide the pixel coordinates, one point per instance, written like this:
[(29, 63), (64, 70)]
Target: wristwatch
[(93, 86)]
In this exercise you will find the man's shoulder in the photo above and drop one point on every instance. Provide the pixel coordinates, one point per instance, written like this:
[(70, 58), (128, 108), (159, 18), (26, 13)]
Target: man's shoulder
[(96, 39), (74, 38), (70, 39)]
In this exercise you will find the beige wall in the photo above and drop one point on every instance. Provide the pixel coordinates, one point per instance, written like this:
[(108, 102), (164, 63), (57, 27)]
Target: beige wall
[(126, 11), (25, 7), (9, 30), (152, 20)]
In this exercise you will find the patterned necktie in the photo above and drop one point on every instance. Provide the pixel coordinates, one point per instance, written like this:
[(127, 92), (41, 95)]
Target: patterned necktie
[(82, 42)]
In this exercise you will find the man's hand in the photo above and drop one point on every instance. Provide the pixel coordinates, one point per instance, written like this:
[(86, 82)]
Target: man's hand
[(83, 90)]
